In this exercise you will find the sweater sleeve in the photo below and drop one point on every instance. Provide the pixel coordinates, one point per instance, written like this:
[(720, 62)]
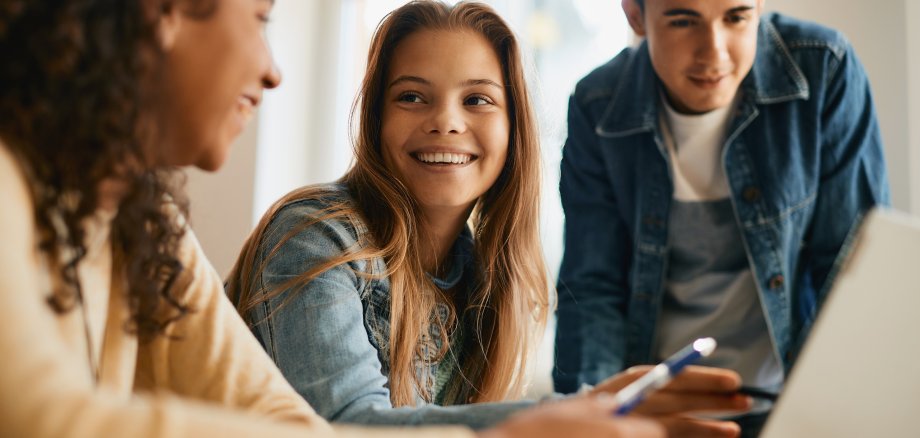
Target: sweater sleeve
[(47, 391), (210, 354)]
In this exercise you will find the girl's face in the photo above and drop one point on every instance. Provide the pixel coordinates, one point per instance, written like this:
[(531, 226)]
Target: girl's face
[(445, 126), (215, 71)]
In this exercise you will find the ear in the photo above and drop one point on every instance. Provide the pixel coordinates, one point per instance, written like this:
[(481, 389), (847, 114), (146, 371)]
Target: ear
[(635, 16), (169, 23)]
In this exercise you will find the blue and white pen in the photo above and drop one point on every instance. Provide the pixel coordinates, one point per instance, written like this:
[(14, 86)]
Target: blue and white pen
[(629, 397)]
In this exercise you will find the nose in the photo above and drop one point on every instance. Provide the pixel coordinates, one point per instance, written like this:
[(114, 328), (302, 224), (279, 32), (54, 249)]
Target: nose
[(271, 78), (713, 48), (445, 118)]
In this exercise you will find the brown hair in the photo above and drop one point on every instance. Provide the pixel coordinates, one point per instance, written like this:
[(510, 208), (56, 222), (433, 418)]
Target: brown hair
[(507, 311), (75, 110)]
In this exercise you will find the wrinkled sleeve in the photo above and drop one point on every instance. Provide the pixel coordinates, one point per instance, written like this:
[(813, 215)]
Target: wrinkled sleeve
[(43, 393), (317, 334), (853, 175), (593, 281)]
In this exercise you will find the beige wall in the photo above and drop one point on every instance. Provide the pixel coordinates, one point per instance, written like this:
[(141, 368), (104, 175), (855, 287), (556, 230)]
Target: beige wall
[(222, 202), (881, 36), (912, 20)]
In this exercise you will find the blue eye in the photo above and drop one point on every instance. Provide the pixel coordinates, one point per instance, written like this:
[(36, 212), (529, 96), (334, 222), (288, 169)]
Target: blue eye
[(477, 100)]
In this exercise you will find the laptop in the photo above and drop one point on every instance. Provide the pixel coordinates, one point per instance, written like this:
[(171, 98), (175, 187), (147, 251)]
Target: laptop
[(859, 372)]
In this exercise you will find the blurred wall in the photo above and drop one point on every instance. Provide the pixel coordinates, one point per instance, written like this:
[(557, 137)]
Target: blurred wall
[(222, 202), (294, 144), (912, 19)]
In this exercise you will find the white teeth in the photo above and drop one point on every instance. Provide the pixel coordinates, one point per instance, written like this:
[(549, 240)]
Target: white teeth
[(442, 157)]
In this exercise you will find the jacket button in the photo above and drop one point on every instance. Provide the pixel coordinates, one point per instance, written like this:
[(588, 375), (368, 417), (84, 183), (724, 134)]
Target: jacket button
[(652, 221), (777, 281), (751, 194)]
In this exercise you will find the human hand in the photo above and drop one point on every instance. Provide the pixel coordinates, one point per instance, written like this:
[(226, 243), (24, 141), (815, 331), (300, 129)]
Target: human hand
[(580, 417), (695, 390)]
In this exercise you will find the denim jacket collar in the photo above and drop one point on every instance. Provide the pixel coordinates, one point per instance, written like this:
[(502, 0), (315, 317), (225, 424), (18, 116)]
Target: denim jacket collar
[(774, 78), (461, 254)]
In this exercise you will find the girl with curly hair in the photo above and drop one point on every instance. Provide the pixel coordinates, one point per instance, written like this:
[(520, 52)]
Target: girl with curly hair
[(419, 275), (114, 323)]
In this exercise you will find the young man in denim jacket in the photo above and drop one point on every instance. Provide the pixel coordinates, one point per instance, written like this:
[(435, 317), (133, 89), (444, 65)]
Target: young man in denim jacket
[(710, 178)]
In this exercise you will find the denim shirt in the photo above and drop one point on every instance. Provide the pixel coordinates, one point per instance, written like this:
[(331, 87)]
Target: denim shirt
[(803, 158), (330, 338)]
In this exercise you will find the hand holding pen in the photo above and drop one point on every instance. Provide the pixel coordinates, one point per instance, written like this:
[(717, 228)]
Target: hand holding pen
[(660, 375), (695, 390)]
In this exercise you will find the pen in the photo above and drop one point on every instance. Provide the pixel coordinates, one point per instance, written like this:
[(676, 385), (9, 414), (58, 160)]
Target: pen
[(758, 393), (629, 397)]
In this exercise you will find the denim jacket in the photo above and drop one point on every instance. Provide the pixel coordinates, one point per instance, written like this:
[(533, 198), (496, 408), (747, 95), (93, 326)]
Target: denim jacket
[(330, 338), (803, 158)]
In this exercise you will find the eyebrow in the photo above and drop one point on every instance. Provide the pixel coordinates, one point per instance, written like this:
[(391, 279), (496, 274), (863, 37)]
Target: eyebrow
[(678, 11), (423, 81)]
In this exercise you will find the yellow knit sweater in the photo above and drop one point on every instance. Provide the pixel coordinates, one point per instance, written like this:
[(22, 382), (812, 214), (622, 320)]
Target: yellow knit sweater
[(210, 378)]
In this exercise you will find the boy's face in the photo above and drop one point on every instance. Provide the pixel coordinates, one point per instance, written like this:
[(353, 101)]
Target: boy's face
[(700, 49)]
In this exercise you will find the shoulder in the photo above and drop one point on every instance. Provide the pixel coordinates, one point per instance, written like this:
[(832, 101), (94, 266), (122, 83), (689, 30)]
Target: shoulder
[(318, 219), (18, 205), (602, 82), (801, 36)]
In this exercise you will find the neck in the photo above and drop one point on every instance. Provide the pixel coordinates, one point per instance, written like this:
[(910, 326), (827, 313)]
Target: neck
[(441, 226)]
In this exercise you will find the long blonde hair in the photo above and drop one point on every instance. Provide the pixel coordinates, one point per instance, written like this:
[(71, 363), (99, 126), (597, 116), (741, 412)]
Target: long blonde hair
[(507, 309)]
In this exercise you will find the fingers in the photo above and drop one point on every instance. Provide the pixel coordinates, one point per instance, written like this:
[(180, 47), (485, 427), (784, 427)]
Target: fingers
[(698, 378), (679, 426), (693, 378), (621, 379), (668, 402)]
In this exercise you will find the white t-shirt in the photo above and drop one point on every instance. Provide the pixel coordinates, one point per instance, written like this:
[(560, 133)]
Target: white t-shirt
[(710, 289), (694, 145)]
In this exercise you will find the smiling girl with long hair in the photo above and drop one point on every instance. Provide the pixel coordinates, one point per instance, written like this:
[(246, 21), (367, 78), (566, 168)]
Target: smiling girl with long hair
[(114, 323), (417, 281)]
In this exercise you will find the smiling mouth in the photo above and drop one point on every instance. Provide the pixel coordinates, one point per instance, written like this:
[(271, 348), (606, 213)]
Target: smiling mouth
[(246, 106), (707, 81), (443, 158)]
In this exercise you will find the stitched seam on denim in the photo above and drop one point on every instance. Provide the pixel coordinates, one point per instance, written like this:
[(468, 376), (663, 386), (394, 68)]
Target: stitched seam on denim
[(847, 247), (734, 135), (761, 221), (270, 323), (652, 249), (790, 67), (837, 50), (595, 94), (598, 129), (833, 71), (619, 134)]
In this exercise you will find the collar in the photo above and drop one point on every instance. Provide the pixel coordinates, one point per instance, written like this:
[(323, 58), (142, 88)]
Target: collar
[(461, 254), (775, 77)]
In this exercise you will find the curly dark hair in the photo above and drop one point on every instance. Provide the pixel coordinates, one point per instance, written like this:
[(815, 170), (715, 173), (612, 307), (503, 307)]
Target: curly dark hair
[(75, 110)]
